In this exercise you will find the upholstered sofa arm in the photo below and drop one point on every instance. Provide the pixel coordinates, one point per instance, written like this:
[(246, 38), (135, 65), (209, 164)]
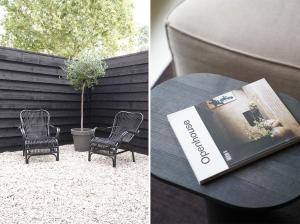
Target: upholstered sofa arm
[(239, 39)]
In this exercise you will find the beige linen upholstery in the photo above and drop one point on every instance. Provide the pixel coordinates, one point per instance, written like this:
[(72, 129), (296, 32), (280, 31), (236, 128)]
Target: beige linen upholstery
[(246, 40)]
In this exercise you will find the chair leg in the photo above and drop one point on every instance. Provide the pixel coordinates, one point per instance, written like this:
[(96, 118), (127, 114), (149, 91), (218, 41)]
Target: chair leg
[(114, 161), (57, 155), (133, 159), (89, 156), (26, 158)]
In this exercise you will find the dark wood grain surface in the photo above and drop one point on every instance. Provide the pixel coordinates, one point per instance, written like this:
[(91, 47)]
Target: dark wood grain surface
[(269, 182)]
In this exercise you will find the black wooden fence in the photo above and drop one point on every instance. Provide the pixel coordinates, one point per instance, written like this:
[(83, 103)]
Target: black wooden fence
[(32, 81), (125, 87)]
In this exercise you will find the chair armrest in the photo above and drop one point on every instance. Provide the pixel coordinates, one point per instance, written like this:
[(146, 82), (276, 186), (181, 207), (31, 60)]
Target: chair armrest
[(102, 128), (134, 132), (128, 132), (57, 130), (22, 132)]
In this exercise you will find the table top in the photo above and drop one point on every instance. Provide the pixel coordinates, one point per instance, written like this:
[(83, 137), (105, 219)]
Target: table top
[(270, 182)]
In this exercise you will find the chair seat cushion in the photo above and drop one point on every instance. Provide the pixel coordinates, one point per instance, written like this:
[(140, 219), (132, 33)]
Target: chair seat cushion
[(44, 142), (102, 142)]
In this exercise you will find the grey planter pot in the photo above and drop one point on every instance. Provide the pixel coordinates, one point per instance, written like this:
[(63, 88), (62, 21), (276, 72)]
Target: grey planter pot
[(82, 138)]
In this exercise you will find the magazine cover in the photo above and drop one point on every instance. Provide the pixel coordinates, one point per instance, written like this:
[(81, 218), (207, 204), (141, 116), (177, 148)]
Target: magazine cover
[(233, 129)]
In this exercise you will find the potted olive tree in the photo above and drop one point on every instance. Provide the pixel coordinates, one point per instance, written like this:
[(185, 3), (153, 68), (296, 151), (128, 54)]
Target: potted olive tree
[(83, 72)]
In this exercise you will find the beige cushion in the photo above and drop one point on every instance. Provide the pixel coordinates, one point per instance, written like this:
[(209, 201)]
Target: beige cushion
[(246, 40)]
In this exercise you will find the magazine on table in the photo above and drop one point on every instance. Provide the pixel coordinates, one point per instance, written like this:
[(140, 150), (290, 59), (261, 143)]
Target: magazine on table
[(234, 129)]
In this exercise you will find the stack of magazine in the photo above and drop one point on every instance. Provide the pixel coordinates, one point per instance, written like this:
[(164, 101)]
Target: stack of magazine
[(234, 129)]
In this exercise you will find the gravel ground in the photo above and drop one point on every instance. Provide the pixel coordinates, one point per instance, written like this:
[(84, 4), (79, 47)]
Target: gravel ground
[(73, 190)]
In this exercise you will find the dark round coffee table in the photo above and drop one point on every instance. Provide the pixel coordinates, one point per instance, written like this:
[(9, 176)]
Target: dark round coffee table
[(268, 183)]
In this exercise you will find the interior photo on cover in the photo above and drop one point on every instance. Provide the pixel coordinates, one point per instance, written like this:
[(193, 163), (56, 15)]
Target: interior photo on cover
[(246, 121)]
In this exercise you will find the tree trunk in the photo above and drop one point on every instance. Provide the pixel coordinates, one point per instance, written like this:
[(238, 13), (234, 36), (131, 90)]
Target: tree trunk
[(82, 99)]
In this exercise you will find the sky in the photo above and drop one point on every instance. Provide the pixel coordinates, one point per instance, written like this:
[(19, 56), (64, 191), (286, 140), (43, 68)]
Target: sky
[(141, 12)]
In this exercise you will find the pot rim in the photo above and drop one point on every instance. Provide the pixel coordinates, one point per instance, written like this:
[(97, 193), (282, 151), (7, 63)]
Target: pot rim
[(77, 131)]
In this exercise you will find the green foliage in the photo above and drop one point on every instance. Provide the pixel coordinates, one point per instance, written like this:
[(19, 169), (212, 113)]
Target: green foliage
[(85, 69), (67, 27)]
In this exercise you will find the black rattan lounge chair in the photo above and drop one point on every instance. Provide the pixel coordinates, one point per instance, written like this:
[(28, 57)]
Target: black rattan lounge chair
[(125, 127), (37, 134)]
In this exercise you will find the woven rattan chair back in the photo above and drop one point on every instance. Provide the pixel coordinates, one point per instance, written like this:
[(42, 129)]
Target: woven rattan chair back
[(35, 123), (125, 121)]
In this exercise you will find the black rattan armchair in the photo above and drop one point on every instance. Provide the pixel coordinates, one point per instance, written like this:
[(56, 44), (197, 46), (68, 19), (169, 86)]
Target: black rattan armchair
[(37, 134), (125, 127)]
